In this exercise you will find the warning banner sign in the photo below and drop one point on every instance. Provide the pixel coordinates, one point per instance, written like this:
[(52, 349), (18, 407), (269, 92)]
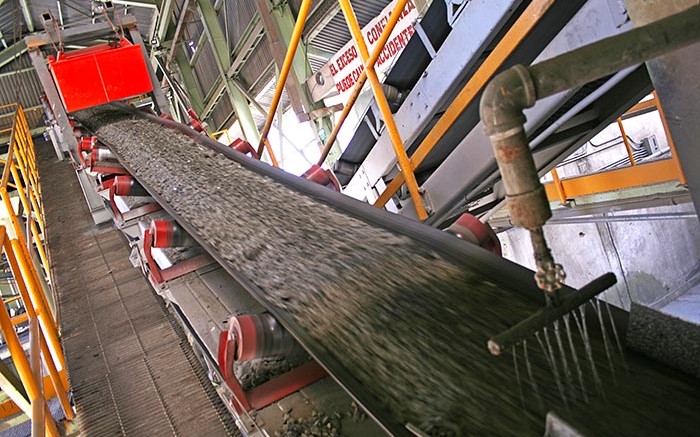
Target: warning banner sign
[(346, 66)]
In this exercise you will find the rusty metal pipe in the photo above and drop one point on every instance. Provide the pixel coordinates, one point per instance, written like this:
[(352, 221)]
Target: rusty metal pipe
[(519, 87)]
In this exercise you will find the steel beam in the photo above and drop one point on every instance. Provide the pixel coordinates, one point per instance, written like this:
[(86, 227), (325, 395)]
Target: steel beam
[(278, 23), (13, 52), (189, 81), (87, 32), (472, 32), (319, 18), (472, 161), (222, 55), (178, 28), (27, 14), (63, 129), (165, 14), (674, 77), (148, 4)]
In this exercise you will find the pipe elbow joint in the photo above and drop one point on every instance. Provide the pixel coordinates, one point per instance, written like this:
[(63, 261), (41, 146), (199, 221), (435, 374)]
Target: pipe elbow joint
[(504, 99)]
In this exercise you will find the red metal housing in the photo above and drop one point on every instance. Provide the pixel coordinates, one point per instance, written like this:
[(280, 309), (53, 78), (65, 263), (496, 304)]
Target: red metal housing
[(100, 74)]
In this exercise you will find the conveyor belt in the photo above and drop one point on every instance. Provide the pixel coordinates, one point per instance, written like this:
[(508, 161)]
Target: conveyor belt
[(131, 369), (399, 313)]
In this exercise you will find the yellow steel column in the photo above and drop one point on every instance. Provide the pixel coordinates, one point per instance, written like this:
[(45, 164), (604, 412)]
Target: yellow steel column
[(626, 140), (386, 33), (288, 59), (385, 110), (520, 29), (558, 185)]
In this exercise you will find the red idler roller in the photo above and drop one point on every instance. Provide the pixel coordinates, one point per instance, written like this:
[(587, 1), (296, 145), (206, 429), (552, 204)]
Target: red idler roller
[(125, 185), (322, 177), (195, 122), (244, 147), (77, 129), (260, 336), (167, 233), (471, 229), (86, 143), (166, 116), (101, 154)]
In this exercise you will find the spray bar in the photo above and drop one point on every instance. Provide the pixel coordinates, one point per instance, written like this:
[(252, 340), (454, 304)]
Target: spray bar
[(547, 315)]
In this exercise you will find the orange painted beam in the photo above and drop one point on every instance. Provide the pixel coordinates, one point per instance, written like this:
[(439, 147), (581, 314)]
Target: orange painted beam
[(618, 179)]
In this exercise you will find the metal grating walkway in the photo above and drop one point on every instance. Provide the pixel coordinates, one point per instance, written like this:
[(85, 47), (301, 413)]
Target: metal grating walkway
[(130, 367)]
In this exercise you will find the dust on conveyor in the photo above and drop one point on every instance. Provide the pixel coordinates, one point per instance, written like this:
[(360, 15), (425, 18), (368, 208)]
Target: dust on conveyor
[(410, 325)]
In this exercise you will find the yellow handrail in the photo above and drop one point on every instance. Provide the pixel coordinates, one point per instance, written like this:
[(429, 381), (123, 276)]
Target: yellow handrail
[(20, 173), (24, 370)]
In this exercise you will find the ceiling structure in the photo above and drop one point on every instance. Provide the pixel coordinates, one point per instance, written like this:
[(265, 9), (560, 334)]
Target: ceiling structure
[(222, 55)]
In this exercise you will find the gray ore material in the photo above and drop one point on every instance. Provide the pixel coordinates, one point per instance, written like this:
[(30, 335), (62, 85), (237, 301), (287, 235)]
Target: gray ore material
[(669, 339), (407, 323)]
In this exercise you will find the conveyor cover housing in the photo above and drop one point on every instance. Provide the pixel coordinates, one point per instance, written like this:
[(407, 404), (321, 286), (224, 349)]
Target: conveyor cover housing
[(100, 74)]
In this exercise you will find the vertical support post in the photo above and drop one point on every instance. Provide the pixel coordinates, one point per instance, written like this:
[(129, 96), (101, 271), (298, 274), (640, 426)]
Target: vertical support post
[(284, 73), (559, 186), (626, 140), (158, 97), (38, 404), (385, 110), (68, 141)]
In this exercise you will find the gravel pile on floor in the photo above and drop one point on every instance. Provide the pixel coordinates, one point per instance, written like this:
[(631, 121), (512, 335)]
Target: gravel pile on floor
[(408, 324)]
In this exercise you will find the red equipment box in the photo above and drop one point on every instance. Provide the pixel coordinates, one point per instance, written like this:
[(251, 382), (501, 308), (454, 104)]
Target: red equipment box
[(100, 74)]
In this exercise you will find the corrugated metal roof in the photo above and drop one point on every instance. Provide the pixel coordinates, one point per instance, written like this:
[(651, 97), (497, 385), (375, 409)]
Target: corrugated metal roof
[(257, 64), (239, 14), (11, 21), (19, 82), (336, 34)]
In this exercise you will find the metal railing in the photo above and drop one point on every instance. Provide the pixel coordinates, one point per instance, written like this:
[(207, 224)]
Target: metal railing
[(20, 244), (635, 175)]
